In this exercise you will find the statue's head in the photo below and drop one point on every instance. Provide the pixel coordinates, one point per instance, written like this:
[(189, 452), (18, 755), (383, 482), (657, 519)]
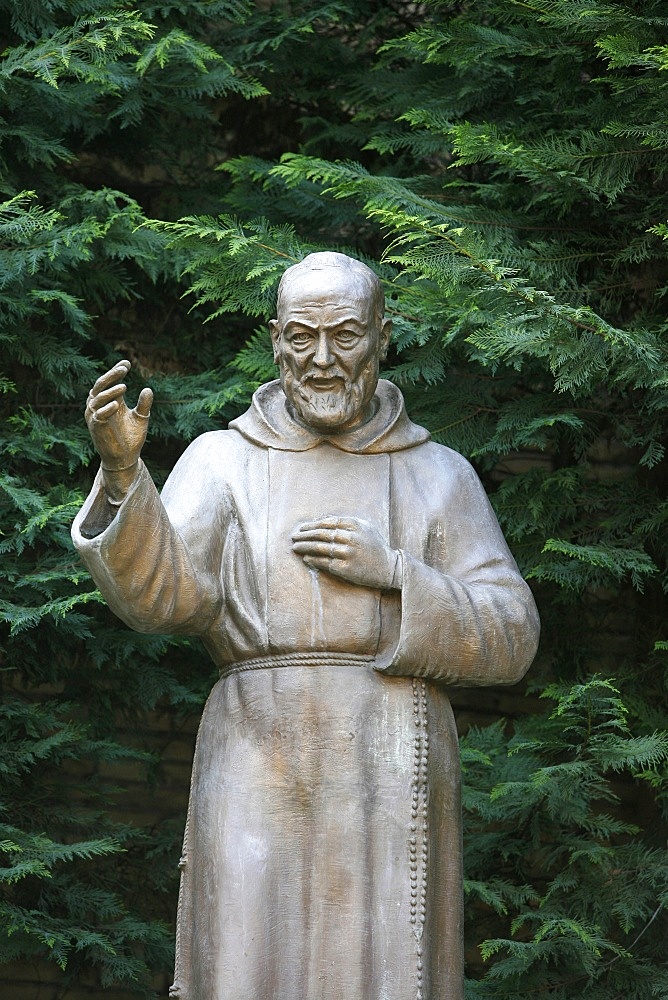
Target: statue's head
[(329, 338)]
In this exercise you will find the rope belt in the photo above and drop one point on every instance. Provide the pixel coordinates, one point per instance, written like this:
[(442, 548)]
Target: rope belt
[(318, 659)]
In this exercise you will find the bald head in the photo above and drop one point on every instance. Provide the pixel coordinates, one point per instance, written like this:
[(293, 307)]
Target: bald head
[(340, 271), (329, 338)]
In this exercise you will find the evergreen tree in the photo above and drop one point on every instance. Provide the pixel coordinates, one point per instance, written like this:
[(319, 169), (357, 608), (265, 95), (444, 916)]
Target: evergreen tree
[(501, 166), (110, 117), (509, 188)]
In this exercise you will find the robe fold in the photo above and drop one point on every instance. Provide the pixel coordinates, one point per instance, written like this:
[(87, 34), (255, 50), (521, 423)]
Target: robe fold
[(322, 854)]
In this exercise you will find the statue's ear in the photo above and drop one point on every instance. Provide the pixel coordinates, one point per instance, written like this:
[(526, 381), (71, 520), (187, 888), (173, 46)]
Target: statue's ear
[(275, 331), (384, 340)]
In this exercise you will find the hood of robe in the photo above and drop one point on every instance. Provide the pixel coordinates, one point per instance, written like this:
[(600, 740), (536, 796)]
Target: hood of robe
[(268, 423)]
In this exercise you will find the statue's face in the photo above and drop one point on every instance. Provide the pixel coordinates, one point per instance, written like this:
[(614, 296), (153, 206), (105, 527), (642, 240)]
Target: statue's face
[(328, 345)]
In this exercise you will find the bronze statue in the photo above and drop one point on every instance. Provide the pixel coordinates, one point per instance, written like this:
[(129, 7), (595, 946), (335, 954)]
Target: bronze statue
[(343, 571)]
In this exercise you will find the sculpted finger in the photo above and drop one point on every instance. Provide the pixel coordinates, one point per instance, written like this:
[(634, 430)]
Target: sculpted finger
[(119, 370), (102, 398), (330, 521), (350, 523), (319, 562), (326, 523), (325, 550), (103, 414), (314, 534), (144, 403), (309, 547), (325, 535)]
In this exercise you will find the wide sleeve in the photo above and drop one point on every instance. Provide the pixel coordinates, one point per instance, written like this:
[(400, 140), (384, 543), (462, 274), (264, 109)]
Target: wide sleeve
[(156, 560), (472, 620)]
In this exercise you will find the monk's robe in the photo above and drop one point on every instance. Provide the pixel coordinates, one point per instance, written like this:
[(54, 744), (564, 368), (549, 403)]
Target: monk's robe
[(322, 854)]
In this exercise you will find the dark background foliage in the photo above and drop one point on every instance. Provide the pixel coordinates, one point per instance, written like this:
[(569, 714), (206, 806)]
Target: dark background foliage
[(502, 166)]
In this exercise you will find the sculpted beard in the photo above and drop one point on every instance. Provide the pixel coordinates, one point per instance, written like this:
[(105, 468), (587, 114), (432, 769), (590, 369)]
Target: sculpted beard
[(327, 409)]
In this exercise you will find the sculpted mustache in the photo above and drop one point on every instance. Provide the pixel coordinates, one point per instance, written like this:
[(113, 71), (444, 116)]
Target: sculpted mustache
[(311, 376)]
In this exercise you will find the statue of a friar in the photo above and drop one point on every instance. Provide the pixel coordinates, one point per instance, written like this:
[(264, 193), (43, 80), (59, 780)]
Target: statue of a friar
[(342, 571)]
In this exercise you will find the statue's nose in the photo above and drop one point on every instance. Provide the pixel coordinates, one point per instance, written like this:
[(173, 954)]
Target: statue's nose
[(323, 356)]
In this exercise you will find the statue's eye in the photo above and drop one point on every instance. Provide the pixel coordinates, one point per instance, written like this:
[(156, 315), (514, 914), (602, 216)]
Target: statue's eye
[(300, 338), (347, 337)]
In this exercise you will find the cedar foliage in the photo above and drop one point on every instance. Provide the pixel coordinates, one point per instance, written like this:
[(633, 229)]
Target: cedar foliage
[(502, 167)]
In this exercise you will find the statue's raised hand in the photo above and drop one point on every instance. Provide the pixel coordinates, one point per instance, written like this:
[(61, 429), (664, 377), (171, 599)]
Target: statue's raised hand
[(118, 432)]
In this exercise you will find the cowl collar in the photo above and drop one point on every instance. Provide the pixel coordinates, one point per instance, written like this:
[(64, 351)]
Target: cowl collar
[(268, 423)]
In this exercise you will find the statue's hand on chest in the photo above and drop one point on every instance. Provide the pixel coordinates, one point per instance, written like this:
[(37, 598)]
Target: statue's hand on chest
[(349, 548)]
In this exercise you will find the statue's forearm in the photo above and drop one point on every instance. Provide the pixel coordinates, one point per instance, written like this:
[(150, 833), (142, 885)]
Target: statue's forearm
[(475, 632), (141, 564), (117, 483)]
